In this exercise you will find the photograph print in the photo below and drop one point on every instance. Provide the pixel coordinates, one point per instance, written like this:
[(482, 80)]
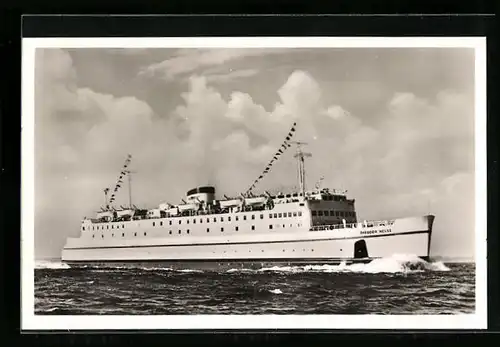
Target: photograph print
[(256, 181)]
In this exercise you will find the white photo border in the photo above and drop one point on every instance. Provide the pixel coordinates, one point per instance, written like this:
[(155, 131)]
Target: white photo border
[(30, 321)]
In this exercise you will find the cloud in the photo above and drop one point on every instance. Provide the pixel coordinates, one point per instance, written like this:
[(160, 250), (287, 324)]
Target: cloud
[(418, 148), (190, 60), (231, 75)]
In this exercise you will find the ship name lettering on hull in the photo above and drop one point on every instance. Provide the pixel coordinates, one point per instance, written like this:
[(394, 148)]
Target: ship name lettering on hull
[(380, 231)]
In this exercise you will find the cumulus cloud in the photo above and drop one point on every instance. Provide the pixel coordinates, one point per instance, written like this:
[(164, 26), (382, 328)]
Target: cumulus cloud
[(420, 149)]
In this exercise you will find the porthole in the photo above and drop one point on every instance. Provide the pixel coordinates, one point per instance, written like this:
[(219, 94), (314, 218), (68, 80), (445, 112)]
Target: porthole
[(170, 232), (153, 223), (188, 231), (208, 230), (102, 235), (93, 236), (112, 235), (145, 234), (135, 234), (179, 232), (123, 234)]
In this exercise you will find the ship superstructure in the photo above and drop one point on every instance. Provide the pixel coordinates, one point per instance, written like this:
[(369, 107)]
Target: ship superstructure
[(299, 226)]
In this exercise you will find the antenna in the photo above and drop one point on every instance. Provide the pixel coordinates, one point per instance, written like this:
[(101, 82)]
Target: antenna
[(301, 166)]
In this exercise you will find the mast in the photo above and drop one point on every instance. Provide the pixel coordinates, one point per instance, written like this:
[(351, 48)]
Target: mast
[(106, 190), (129, 174), (300, 155)]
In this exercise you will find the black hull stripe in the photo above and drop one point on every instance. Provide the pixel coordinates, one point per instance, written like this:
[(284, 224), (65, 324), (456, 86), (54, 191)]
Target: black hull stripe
[(250, 243)]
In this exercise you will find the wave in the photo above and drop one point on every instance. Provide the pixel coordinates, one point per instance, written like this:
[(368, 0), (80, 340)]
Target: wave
[(276, 291)]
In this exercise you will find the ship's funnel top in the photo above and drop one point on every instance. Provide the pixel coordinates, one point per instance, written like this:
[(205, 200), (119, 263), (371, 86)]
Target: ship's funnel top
[(198, 190), (204, 195)]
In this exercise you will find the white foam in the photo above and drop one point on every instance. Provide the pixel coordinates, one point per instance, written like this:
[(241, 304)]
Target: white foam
[(276, 291), (50, 264), (397, 263)]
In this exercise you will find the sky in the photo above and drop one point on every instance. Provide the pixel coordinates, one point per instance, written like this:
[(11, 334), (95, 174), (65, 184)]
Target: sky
[(392, 126)]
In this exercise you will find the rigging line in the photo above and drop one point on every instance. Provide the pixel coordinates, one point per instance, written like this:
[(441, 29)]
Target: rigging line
[(275, 157)]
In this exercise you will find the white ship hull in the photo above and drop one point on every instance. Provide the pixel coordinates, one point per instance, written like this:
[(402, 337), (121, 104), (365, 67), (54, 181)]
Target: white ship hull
[(287, 246)]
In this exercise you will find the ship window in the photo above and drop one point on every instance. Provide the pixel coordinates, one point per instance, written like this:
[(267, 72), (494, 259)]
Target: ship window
[(244, 217), (188, 221), (93, 236), (314, 213), (237, 219), (180, 221), (123, 226), (236, 228), (135, 234), (270, 226), (170, 222), (289, 214), (208, 230), (253, 216), (112, 226), (222, 230), (161, 223), (201, 220), (83, 228), (222, 219), (215, 219), (300, 213), (153, 223), (102, 235), (253, 227), (113, 235), (295, 214), (194, 221), (275, 215), (188, 231), (208, 220), (229, 218), (261, 216), (270, 215), (170, 232), (320, 213), (123, 234), (280, 215), (144, 233), (107, 226), (179, 232)]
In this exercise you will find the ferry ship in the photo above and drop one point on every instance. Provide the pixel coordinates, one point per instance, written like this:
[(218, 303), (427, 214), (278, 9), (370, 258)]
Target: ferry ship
[(300, 227)]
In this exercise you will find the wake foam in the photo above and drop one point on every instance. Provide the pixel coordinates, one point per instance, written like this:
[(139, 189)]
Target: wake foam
[(50, 264), (397, 263)]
